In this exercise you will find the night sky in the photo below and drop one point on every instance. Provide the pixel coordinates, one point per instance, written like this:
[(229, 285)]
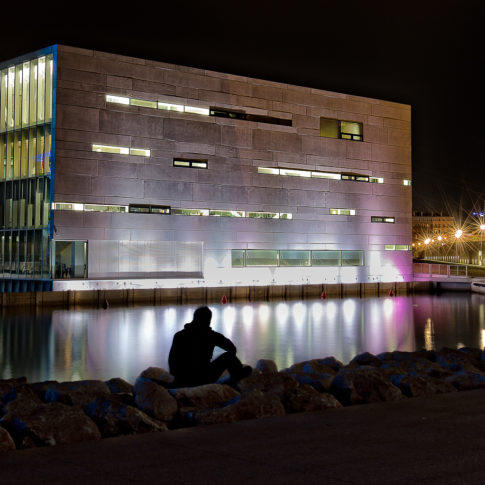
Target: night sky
[(429, 54)]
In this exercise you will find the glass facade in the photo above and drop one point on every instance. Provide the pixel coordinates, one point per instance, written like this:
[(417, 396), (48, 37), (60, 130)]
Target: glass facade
[(26, 140)]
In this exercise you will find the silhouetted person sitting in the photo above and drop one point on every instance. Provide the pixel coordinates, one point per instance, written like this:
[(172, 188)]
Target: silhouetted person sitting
[(191, 353)]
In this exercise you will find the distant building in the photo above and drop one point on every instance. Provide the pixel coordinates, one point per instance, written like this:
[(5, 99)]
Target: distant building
[(128, 173), (432, 224)]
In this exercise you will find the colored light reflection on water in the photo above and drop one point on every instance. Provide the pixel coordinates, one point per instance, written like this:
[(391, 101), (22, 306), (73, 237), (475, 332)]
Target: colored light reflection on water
[(121, 342)]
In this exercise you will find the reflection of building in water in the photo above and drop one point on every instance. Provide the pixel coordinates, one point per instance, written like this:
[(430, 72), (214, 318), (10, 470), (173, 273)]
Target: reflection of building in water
[(168, 176), (429, 335)]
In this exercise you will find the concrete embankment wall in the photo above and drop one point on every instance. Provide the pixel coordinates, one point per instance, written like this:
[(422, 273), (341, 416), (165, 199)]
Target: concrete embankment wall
[(165, 296)]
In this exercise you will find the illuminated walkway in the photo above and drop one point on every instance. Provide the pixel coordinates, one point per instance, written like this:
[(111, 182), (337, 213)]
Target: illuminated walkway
[(433, 440)]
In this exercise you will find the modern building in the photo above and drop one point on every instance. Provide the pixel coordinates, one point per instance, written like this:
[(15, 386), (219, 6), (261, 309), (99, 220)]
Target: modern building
[(128, 173)]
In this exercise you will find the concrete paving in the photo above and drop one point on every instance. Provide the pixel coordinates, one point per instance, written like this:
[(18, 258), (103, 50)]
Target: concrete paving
[(438, 439)]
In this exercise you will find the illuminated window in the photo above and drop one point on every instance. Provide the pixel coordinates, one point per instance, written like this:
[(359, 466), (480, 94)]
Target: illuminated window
[(190, 212), (149, 209), (117, 99), (326, 175), (171, 107), (196, 110), (325, 258), (346, 130), (352, 258), (389, 220), (321, 175), (358, 178), (397, 247), (238, 258), (226, 213), (263, 215), (406, 182), (261, 257), (342, 212), (143, 103), (189, 163), (143, 152), (294, 258), (295, 173)]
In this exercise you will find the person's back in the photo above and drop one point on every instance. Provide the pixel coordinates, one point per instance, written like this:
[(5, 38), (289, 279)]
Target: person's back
[(191, 353)]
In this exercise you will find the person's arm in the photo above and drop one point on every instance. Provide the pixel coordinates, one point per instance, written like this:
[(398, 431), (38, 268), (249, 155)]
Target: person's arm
[(224, 343)]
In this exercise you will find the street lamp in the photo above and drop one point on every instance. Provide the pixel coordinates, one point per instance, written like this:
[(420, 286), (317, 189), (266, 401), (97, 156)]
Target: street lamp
[(458, 234), (482, 228)]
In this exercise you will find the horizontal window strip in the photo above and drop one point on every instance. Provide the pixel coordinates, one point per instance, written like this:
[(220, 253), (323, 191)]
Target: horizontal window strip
[(198, 110), (142, 152), (163, 209), (397, 247), (382, 219), (342, 212), (317, 174), (189, 163), (297, 258)]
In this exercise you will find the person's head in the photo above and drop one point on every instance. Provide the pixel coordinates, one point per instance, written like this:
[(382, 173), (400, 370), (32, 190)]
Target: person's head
[(202, 316)]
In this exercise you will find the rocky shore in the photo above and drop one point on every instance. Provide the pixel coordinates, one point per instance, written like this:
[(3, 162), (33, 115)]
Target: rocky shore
[(48, 413)]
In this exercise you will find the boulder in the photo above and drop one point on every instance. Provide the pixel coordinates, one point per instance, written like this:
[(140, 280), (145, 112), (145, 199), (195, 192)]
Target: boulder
[(20, 400), (305, 398), (328, 365), (464, 380), (363, 385), (266, 366), (6, 441), (267, 383), (414, 386), (320, 382), (50, 424), (203, 397), (113, 417), (154, 400), (117, 385), (158, 375), (250, 405), (456, 361), (365, 358), (75, 393)]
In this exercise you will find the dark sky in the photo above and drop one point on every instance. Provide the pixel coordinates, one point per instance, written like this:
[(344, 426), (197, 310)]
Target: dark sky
[(429, 54)]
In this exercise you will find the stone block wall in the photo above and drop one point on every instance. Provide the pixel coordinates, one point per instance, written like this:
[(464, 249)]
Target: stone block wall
[(234, 149)]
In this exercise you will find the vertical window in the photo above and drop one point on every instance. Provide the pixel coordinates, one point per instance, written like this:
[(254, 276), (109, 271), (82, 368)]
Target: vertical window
[(41, 90), (3, 99), (33, 92), (25, 93), (238, 260)]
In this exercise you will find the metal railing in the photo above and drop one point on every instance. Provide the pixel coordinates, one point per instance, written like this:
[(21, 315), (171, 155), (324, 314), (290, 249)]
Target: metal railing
[(446, 270)]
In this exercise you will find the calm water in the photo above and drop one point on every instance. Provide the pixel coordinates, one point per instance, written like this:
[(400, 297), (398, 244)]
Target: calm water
[(121, 342)]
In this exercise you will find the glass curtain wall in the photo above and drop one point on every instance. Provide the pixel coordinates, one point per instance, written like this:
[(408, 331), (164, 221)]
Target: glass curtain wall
[(26, 109)]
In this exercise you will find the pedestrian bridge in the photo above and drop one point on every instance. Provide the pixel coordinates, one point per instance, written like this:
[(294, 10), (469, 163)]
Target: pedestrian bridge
[(445, 276)]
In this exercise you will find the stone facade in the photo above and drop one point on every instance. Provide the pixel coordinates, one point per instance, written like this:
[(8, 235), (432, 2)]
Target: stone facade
[(233, 149)]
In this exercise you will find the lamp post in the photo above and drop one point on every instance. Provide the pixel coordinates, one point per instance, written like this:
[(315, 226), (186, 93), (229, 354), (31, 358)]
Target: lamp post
[(458, 234), (482, 228), (426, 244)]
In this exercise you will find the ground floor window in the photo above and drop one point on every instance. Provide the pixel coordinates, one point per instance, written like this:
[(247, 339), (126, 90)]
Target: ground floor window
[(70, 259)]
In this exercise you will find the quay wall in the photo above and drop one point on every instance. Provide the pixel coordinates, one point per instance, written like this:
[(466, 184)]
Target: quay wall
[(167, 296)]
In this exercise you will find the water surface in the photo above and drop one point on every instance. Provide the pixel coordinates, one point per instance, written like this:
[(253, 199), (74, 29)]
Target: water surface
[(121, 342)]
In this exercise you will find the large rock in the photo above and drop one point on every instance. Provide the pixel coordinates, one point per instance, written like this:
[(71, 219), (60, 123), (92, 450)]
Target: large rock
[(75, 393), (465, 381), (329, 365), (267, 383), (203, 397), (363, 385), (6, 441), (50, 424), (113, 417), (20, 400), (305, 398), (266, 366), (159, 375), (252, 404), (414, 386), (154, 400), (456, 360), (365, 358), (117, 385)]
